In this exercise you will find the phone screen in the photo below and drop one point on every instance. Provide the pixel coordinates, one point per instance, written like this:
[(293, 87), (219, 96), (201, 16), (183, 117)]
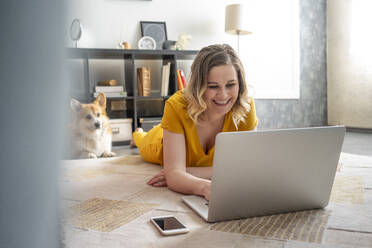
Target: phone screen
[(168, 223)]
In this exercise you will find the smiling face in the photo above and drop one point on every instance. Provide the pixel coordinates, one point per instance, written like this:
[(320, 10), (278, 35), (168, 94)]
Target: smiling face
[(222, 91)]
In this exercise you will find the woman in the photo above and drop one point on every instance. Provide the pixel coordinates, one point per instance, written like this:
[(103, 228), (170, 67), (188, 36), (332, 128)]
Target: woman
[(215, 100)]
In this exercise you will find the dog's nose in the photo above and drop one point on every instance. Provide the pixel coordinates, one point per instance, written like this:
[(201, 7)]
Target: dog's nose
[(97, 125)]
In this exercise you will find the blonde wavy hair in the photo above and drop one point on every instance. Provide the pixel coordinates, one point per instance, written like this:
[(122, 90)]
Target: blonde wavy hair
[(205, 60)]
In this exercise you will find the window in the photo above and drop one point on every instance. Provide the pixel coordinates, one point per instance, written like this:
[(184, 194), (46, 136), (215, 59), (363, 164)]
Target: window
[(361, 34), (271, 54)]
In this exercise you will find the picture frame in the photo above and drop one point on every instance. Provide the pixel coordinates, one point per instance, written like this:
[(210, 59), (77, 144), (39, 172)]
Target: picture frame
[(156, 30)]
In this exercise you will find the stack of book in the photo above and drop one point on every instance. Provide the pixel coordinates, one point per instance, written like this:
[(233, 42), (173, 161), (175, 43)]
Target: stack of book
[(111, 91), (165, 79), (144, 81), (181, 80)]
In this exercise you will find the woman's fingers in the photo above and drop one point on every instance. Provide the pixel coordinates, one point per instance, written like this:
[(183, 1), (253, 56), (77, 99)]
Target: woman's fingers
[(158, 180), (154, 178), (160, 184)]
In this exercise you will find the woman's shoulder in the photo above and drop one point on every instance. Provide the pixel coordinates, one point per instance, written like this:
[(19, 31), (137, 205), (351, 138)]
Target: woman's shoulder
[(175, 117), (178, 100)]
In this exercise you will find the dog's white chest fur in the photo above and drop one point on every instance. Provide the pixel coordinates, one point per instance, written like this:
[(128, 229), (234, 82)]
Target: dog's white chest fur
[(96, 143), (89, 143)]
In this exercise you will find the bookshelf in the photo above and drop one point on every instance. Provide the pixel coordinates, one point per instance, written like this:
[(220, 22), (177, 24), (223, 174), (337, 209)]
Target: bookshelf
[(129, 57)]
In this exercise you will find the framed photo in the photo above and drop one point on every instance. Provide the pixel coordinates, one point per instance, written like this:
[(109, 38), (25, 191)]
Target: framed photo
[(156, 30)]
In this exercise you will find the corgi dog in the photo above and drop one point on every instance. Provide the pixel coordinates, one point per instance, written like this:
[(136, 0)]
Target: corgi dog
[(91, 131)]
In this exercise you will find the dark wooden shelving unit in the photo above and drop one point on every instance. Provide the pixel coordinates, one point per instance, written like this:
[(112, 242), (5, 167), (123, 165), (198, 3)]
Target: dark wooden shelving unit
[(130, 56)]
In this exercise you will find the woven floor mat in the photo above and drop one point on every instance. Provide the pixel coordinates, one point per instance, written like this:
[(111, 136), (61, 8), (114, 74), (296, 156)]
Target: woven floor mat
[(106, 215), (347, 189), (304, 226)]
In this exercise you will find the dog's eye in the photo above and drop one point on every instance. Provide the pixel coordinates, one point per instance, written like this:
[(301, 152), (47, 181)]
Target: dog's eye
[(88, 117), (98, 114)]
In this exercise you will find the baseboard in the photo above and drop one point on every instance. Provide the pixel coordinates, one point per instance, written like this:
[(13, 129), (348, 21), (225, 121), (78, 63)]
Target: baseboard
[(358, 130), (120, 143)]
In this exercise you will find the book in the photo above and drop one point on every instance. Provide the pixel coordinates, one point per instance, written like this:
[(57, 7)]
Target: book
[(111, 82), (144, 81), (139, 82), (179, 80), (167, 73), (165, 79), (112, 94), (183, 78), (163, 69), (105, 89)]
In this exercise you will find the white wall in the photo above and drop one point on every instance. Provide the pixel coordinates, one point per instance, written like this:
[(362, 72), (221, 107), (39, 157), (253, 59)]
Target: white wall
[(270, 54), (106, 22), (349, 63)]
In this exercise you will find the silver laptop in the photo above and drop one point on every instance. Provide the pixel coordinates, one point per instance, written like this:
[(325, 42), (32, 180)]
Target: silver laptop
[(268, 172)]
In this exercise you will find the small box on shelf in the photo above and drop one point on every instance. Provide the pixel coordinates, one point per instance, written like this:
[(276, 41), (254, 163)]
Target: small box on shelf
[(117, 105), (121, 129), (117, 108)]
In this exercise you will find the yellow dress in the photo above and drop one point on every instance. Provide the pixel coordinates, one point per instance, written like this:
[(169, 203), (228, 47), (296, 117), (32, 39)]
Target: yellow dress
[(176, 119)]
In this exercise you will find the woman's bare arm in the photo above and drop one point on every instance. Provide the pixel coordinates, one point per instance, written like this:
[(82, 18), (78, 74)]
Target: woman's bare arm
[(202, 172), (159, 179), (177, 177)]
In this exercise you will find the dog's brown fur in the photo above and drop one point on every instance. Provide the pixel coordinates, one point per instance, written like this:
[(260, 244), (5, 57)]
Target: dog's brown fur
[(91, 131)]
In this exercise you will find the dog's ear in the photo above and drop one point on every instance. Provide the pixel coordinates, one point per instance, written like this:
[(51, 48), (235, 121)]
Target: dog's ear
[(101, 100), (75, 105)]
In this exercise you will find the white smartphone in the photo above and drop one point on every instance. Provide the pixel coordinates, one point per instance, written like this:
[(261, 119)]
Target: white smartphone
[(169, 225)]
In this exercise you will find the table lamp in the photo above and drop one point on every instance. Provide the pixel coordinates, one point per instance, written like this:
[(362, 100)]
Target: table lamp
[(235, 21)]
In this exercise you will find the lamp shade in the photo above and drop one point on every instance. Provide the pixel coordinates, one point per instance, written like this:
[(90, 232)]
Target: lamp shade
[(235, 20)]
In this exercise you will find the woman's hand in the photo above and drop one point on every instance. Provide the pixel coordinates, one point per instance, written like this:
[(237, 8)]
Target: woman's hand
[(158, 180)]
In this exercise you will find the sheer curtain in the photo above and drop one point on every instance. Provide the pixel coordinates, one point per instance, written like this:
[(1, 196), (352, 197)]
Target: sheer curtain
[(349, 63)]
